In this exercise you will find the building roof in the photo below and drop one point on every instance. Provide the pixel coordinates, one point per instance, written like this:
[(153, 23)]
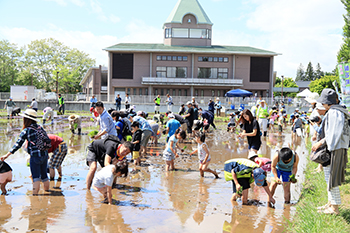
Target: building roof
[(184, 7), (219, 49)]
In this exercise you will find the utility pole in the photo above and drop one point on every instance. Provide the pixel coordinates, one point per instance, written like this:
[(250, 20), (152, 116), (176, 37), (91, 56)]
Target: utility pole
[(31, 82), (282, 86), (57, 82)]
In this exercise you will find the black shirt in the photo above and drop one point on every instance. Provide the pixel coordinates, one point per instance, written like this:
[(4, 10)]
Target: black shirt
[(4, 167), (105, 146), (137, 137), (254, 140), (190, 111), (179, 118)]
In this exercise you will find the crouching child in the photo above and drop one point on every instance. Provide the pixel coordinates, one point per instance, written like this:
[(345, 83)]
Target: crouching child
[(243, 172), (103, 180)]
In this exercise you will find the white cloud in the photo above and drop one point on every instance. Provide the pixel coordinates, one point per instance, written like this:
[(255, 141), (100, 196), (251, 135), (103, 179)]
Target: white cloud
[(114, 19), (65, 2), (59, 2), (78, 2)]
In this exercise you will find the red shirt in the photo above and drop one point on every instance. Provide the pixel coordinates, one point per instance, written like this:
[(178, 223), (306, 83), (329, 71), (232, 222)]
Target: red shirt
[(55, 141)]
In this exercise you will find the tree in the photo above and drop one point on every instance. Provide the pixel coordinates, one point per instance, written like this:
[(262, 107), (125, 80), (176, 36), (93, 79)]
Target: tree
[(287, 82), (318, 73), (10, 64), (300, 73), (344, 52), (324, 82), (309, 74)]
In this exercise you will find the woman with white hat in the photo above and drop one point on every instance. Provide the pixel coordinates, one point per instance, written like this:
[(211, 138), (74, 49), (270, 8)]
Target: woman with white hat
[(218, 107), (38, 157)]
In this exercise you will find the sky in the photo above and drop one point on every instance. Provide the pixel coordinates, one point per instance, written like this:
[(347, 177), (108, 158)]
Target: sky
[(302, 31)]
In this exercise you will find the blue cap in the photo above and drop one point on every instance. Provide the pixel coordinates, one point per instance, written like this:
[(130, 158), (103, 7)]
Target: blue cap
[(259, 176)]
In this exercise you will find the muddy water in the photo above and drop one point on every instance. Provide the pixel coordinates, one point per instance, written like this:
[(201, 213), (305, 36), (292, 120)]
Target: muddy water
[(149, 199)]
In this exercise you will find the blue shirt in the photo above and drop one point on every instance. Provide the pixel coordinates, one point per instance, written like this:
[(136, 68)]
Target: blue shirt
[(118, 100), (208, 115), (30, 135), (93, 100), (107, 124), (144, 125), (173, 125), (120, 125), (211, 106)]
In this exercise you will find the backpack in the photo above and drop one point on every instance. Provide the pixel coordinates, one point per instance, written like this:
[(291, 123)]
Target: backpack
[(125, 131), (43, 142)]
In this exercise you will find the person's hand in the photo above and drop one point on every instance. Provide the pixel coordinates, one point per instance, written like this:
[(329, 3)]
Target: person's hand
[(182, 150), (238, 186), (278, 181), (316, 146), (313, 138), (271, 199), (4, 157), (176, 155)]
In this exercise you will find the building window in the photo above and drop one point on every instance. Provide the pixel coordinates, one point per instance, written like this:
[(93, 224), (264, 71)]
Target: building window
[(180, 92), (176, 72), (174, 58), (198, 33), (162, 92), (129, 91), (218, 93), (225, 59), (180, 32), (222, 73), (185, 92), (168, 91), (211, 59), (184, 58), (161, 72), (156, 91), (212, 93), (200, 58), (159, 58), (174, 92), (179, 58), (163, 58), (134, 92), (207, 73), (168, 33), (202, 92), (140, 91), (171, 58), (168, 58), (215, 59), (221, 59), (146, 91)]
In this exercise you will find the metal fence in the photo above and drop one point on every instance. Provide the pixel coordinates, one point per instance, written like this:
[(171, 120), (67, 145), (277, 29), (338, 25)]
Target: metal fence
[(227, 102)]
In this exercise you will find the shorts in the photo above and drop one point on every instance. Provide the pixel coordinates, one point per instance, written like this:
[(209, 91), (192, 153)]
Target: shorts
[(285, 175), (5, 177), (58, 156), (184, 126), (280, 129), (231, 124), (168, 156), (146, 135), (38, 168), (92, 157), (254, 146), (9, 110), (244, 182), (156, 108), (135, 155), (263, 124), (201, 161), (98, 188)]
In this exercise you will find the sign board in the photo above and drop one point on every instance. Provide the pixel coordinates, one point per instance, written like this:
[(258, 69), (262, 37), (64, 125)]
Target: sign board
[(344, 77), (286, 89)]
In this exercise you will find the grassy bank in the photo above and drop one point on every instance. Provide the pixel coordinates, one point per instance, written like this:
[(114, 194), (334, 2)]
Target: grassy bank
[(314, 194)]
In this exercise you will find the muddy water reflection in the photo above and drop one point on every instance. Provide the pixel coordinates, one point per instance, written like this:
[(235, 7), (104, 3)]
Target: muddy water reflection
[(149, 200)]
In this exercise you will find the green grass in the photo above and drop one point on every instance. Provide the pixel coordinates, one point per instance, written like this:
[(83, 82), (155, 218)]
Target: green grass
[(314, 194)]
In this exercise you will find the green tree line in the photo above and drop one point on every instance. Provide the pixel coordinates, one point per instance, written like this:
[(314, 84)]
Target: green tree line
[(40, 62)]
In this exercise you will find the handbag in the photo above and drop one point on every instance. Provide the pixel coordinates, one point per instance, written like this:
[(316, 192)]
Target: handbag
[(321, 155)]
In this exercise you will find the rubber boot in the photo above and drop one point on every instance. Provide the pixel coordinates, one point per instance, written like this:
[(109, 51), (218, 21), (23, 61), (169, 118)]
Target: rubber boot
[(79, 131), (44, 122), (72, 131)]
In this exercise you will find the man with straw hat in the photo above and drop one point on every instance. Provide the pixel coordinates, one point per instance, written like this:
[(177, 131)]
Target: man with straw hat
[(75, 122)]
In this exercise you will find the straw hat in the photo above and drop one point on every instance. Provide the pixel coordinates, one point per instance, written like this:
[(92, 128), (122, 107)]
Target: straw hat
[(30, 114), (312, 98)]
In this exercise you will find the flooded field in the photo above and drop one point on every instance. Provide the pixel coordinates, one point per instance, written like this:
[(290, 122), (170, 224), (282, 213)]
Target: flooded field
[(149, 199)]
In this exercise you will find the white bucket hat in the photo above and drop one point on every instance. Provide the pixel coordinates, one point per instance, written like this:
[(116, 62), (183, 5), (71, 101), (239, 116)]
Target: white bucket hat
[(312, 98), (30, 114)]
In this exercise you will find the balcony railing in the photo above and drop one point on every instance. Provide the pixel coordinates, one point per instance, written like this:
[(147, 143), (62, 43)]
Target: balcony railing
[(190, 81)]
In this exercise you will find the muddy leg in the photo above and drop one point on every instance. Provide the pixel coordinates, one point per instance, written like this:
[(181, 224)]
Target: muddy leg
[(286, 190), (167, 165), (36, 187), (52, 173), (59, 171), (46, 185), (91, 174), (273, 186), (3, 188), (245, 196)]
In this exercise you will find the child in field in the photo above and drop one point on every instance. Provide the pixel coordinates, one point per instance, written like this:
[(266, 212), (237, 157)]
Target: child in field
[(203, 155), (285, 164), (243, 172), (280, 124), (5, 176), (136, 139), (231, 126), (103, 180), (169, 153), (262, 162)]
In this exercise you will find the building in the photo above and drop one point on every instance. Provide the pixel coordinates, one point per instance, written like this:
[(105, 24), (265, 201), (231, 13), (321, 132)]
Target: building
[(187, 64), (95, 82)]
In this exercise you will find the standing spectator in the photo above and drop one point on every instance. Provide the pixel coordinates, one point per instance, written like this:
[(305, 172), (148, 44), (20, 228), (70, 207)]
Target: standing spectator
[(127, 101), (48, 115), (218, 107), (34, 105), (211, 106), (189, 117), (156, 104), (335, 136), (60, 104), (107, 125), (182, 109), (38, 157), (74, 122), (9, 104), (171, 126), (254, 109), (194, 101), (261, 116), (93, 101), (169, 101), (118, 102), (59, 150)]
